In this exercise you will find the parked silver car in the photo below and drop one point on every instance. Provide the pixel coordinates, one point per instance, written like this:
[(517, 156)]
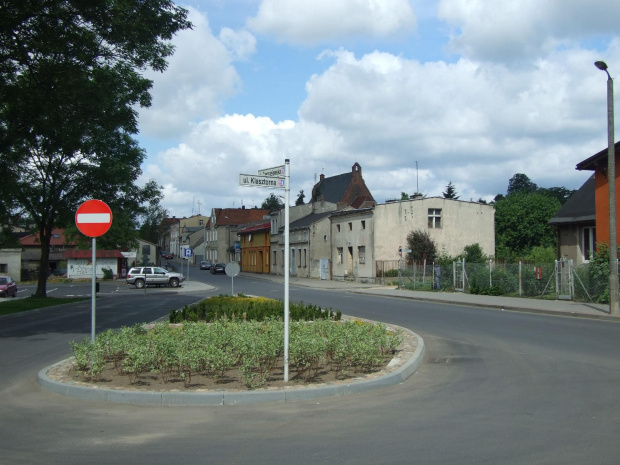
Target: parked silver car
[(141, 276)]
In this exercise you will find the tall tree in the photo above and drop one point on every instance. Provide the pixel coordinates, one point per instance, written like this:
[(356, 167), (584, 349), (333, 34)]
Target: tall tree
[(422, 247), (560, 193), (522, 222), (300, 198), (521, 183), (450, 192), (272, 203), (69, 84)]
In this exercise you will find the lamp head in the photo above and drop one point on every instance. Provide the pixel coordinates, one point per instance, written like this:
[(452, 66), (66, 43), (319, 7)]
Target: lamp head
[(601, 65)]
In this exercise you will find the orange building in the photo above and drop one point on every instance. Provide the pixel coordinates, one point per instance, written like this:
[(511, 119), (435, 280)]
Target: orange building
[(255, 247), (598, 164)]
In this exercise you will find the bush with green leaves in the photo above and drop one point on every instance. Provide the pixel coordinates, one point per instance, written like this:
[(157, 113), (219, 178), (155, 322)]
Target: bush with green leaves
[(253, 347), (249, 309)]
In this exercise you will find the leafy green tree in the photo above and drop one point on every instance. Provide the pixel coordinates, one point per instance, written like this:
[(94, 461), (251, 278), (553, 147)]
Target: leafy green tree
[(152, 215), (272, 203), (560, 193), (404, 196), (450, 192), (473, 253), (520, 183), (300, 198), (422, 247), (70, 81), (521, 223), (540, 255)]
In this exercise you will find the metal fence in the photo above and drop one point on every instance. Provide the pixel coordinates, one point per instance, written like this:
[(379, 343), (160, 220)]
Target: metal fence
[(558, 280)]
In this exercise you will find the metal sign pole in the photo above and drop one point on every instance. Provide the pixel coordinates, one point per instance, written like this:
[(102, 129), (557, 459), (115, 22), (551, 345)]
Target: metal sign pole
[(286, 265), (93, 288)]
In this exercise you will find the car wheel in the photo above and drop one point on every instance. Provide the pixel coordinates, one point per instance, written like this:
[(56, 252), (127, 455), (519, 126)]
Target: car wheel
[(139, 283), (174, 282)]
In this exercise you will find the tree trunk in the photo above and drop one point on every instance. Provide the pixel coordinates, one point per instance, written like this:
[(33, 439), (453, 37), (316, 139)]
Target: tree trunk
[(45, 236)]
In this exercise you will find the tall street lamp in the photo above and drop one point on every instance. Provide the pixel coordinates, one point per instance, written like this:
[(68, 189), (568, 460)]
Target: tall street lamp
[(614, 304)]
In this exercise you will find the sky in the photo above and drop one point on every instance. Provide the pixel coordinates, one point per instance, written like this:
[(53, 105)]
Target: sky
[(420, 93)]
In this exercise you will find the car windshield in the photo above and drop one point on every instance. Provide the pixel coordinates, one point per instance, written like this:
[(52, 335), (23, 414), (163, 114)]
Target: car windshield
[(3, 281)]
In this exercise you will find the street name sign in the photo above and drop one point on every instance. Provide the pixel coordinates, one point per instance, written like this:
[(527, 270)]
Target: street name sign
[(93, 218), (275, 172), (253, 180)]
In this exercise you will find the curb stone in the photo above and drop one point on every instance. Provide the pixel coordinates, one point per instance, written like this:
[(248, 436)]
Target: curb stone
[(220, 398)]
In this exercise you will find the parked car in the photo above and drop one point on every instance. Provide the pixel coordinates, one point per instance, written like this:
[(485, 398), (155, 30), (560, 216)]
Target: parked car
[(8, 287), (59, 272), (218, 268), (205, 265), (141, 276), (168, 256)]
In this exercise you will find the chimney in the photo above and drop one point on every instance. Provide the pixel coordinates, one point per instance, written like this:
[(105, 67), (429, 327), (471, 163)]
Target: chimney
[(322, 177)]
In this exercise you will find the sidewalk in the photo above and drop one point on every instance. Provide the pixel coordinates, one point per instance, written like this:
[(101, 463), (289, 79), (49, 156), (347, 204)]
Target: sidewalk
[(550, 307)]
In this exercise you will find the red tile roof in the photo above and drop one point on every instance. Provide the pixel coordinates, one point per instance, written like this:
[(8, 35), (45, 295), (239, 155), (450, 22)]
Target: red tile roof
[(58, 239), (255, 228), (75, 253), (237, 216)]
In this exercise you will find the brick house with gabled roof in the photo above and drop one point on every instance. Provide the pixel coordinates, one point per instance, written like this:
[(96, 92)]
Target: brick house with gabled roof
[(31, 255), (575, 224), (345, 190), (222, 243), (598, 164), (255, 245)]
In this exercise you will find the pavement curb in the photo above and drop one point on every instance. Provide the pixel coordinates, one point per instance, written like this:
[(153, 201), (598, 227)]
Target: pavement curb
[(493, 306), (221, 398)]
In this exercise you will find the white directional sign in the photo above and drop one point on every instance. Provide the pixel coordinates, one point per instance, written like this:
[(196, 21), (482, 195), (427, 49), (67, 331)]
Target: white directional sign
[(275, 172), (253, 180)]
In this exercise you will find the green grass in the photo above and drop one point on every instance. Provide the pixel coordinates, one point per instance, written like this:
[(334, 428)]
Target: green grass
[(9, 305)]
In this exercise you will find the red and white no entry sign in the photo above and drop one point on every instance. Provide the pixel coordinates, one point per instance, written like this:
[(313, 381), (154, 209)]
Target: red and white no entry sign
[(93, 218)]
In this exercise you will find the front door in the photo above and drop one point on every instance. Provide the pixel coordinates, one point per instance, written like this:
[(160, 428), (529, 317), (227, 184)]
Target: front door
[(293, 266)]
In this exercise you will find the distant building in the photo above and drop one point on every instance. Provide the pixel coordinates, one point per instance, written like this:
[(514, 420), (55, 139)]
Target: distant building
[(344, 190), (222, 241), (598, 164), (575, 223)]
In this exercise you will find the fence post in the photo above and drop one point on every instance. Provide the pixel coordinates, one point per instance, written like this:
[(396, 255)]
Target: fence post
[(490, 274), (520, 278)]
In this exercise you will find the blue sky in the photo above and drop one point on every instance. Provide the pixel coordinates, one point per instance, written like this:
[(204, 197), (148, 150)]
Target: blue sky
[(473, 91)]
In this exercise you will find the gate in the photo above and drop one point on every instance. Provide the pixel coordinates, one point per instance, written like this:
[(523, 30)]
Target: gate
[(324, 268), (458, 271), (564, 283)]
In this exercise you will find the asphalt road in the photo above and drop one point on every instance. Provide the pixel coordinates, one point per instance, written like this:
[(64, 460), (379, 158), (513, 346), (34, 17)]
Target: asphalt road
[(496, 387)]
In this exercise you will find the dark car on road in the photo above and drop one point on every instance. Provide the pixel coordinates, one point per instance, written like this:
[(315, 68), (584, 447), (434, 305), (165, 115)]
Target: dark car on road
[(8, 287), (205, 265), (218, 268), (168, 256)]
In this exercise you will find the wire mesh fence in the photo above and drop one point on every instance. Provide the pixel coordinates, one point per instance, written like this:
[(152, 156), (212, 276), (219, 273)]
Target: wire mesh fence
[(558, 280)]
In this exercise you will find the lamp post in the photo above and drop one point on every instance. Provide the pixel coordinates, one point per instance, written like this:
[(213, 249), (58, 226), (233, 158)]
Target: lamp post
[(614, 304)]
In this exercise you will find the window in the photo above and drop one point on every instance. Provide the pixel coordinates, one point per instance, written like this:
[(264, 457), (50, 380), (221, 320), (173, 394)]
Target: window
[(299, 258), (305, 258), (339, 250), (4, 268), (324, 237), (361, 253), (274, 262), (350, 226), (363, 224), (588, 242), (434, 218), (274, 226), (146, 249), (337, 228), (201, 222)]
